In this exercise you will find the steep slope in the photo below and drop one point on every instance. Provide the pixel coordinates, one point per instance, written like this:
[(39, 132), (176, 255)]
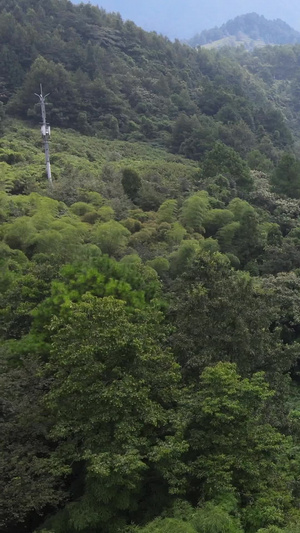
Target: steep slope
[(149, 301), (91, 275), (111, 79), (90, 163)]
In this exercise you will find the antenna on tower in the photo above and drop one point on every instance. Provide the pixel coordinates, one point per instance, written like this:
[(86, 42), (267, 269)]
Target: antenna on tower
[(46, 132)]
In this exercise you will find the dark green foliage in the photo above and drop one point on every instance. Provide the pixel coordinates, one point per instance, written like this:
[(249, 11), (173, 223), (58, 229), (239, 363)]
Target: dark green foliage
[(55, 79), (2, 116), (131, 182), (286, 177), (30, 477), (209, 328), (258, 161), (121, 427), (224, 160), (110, 78)]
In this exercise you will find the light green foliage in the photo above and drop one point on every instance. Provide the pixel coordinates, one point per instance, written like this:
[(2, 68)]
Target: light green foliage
[(79, 165), (18, 234), (209, 245), (216, 219), (111, 237), (81, 208), (131, 259), (23, 286), (33, 204), (167, 211), (175, 234), (270, 233), (194, 211), (162, 230), (93, 198), (210, 518), (44, 228), (185, 254), (143, 238), (106, 213), (293, 528), (226, 235), (239, 207), (227, 420), (214, 518), (168, 525), (160, 264), (7, 176), (243, 236), (92, 215), (132, 224), (271, 529)]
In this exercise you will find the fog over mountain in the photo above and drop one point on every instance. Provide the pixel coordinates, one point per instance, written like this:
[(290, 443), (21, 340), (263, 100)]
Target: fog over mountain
[(184, 18), (250, 30)]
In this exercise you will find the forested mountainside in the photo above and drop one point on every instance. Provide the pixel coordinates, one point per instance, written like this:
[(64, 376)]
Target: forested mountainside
[(251, 30), (111, 78), (149, 359)]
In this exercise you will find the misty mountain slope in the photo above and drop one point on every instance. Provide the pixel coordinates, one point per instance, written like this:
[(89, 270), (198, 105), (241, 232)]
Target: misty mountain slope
[(251, 30)]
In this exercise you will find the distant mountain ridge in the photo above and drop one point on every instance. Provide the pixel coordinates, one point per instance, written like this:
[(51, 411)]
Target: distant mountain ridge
[(251, 30)]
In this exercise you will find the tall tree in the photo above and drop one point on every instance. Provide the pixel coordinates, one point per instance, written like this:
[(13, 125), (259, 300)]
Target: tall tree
[(234, 449), (112, 396)]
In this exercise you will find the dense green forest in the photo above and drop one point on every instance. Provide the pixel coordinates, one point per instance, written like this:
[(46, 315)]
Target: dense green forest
[(150, 325)]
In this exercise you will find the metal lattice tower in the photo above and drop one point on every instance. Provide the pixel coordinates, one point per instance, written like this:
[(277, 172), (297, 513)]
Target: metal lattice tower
[(46, 132)]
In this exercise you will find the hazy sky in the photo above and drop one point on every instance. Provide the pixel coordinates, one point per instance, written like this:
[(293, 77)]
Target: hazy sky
[(184, 18)]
